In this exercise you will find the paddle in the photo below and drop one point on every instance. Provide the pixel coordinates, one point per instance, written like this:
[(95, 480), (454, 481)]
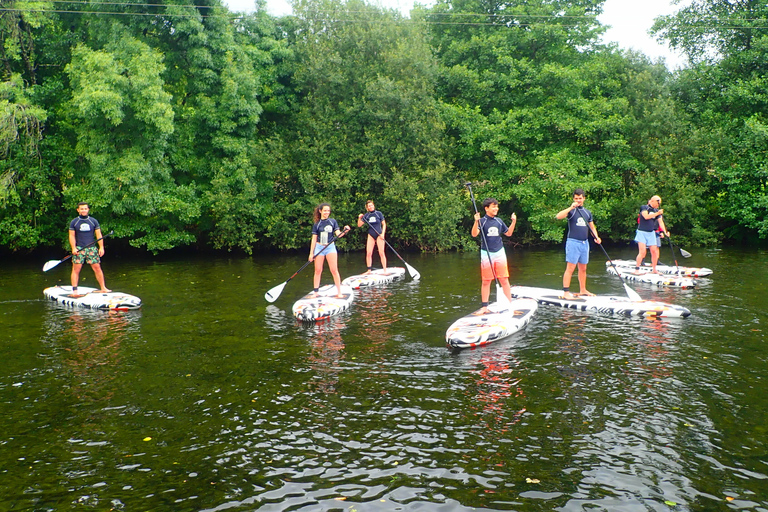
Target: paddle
[(684, 253), (632, 294), (673, 254), (53, 263), (500, 295), (275, 292), (412, 271)]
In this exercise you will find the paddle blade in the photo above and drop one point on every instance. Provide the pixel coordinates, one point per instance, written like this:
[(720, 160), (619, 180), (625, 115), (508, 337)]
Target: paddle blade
[(413, 272), (632, 294), (685, 253), (501, 297), (50, 264), (275, 292)]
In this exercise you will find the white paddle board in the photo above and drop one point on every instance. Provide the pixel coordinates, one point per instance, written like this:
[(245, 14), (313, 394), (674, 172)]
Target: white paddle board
[(92, 298), (644, 276), (375, 277), (606, 304), (325, 304), (503, 320), (664, 269)]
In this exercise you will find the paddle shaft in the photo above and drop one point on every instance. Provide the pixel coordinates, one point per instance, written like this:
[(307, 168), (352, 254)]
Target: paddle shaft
[(392, 248), (81, 249), (671, 248)]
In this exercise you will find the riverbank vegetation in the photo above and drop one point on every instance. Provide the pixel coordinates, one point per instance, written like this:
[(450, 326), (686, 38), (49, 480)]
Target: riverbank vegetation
[(186, 125)]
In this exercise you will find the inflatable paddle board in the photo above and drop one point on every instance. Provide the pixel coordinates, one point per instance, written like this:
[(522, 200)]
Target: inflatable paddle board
[(606, 304), (92, 298), (375, 277), (324, 305), (643, 276), (664, 269), (503, 320)]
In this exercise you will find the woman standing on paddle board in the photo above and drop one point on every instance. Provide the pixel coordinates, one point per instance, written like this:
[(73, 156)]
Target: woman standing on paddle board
[(492, 250), (84, 232), (324, 229), (377, 226)]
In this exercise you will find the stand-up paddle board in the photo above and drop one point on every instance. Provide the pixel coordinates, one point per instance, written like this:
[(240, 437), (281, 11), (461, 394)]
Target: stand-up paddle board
[(92, 298), (606, 304), (643, 276), (325, 304), (664, 269), (503, 320), (375, 277)]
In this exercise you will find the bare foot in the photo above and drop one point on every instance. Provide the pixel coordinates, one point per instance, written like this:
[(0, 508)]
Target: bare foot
[(340, 296), (482, 311), (105, 290), (569, 296), (587, 293)]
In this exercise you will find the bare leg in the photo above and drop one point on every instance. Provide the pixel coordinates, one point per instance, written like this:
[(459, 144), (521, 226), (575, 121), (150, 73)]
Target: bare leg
[(583, 280), (319, 260), (654, 257), (334, 268), (369, 243), (485, 291), (641, 254), (99, 276), (380, 244), (75, 276), (505, 286), (567, 275)]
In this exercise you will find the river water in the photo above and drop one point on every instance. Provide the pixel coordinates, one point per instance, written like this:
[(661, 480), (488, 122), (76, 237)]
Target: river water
[(211, 399)]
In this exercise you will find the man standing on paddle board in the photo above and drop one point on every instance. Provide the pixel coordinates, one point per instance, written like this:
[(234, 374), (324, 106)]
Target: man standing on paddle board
[(493, 259), (84, 230), (377, 226), (324, 229), (580, 222), (649, 221)]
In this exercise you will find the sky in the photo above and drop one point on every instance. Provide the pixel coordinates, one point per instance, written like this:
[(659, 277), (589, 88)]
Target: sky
[(629, 22)]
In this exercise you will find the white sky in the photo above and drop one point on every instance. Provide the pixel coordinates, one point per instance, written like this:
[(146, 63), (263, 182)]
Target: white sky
[(629, 21)]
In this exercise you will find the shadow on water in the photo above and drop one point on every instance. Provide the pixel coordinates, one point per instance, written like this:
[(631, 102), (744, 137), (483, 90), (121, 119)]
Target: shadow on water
[(210, 398)]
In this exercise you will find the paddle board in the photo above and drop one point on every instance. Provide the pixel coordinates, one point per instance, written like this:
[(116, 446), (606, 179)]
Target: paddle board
[(324, 305), (643, 276), (606, 304), (664, 269), (92, 298), (375, 277), (503, 320)]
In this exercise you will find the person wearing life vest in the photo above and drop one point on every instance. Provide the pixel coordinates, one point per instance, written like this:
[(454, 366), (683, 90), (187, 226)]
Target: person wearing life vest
[(650, 220)]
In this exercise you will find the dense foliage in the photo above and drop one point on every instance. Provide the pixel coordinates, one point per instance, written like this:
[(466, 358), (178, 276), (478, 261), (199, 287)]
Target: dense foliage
[(188, 125)]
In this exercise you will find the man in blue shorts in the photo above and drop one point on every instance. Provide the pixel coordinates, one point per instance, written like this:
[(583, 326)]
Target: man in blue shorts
[(648, 223), (84, 231), (580, 222)]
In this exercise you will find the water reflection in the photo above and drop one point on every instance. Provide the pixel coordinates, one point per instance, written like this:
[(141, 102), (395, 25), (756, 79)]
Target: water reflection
[(244, 409), (326, 355)]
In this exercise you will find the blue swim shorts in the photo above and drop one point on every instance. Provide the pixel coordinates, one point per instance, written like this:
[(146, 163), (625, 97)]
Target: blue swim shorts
[(576, 251)]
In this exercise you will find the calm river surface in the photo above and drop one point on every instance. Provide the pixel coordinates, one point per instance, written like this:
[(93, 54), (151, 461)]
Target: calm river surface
[(211, 399)]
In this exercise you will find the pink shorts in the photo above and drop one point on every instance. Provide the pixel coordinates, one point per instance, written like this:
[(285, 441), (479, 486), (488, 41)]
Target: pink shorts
[(499, 260)]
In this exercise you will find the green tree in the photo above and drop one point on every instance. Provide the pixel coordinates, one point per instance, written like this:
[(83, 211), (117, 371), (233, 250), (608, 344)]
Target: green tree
[(367, 126), (724, 95)]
